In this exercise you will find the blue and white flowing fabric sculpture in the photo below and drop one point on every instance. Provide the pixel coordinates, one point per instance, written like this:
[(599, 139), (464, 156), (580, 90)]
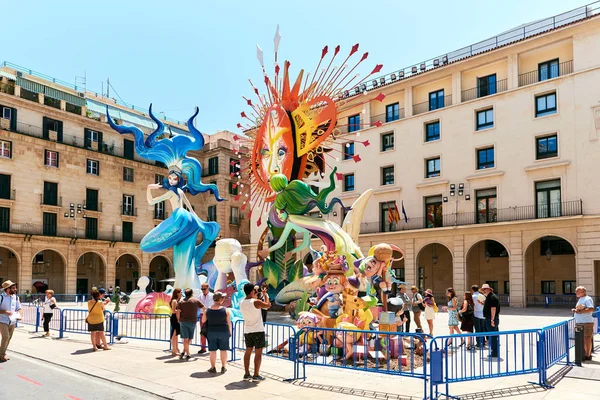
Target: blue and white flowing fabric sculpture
[(181, 229)]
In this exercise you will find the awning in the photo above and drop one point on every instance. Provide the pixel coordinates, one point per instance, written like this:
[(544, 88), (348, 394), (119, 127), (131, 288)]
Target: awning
[(8, 75)]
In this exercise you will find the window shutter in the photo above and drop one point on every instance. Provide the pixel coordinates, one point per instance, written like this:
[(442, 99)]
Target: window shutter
[(57, 159), (98, 164), (13, 122), (100, 145), (45, 134), (60, 132), (86, 138)]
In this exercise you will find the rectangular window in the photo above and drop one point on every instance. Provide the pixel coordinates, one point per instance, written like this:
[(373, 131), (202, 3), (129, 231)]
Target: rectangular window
[(486, 205), (568, 287), (5, 148), (128, 205), (234, 166), (91, 228), (506, 287), (486, 85), (51, 193), (234, 216), (485, 119), (387, 141), (433, 212), (233, 188), (493, 285), (548, 199), (548, 287), (385, 208), (158, 179), (52, 129), (436, 100), (49, 224), (548, 70), (212, 213), (387, 175), (92, 139), (545, 104), (4, 219), (546, 147), (354, 123), (392, 112), (432, 131), (91, 199), (348, 150), (432, 167), (4, 186), (485, 158), (213, 166), (93, 167), (127, 231), (128, 174), (348, 182), (51, 158), (128, 149), (6, 113), (159, 210)]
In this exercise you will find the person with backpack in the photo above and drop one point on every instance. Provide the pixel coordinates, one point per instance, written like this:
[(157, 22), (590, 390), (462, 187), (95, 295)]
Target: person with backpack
[(10, 313), (417, 307), (467, 316)]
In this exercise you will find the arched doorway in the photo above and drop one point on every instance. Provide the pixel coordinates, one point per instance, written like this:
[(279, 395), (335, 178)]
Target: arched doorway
[(487, 262), (91, 272), (127, 272), (434, 269), (10, 268), (47, 272), (160, 269), (397, 268), (550, 271)]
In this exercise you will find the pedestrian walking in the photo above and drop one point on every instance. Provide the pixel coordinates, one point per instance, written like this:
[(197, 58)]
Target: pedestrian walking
[(218, 327), (254, 330), (417, 307), (430, 306), (452, 309), (467, 317), (10, 313), (49, 306), (583, 318), (478, 318), (407, 305), (175, 327), (206, 298), (491, 312), (95, 320), (188, 317)]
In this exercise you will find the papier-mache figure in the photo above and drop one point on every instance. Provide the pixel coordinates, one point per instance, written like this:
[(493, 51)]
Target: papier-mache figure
[(335, 282), (344, 339), (375, 267), (309, 340)]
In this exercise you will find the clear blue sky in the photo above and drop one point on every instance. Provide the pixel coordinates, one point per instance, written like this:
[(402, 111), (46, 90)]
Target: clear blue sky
[(178, 54)]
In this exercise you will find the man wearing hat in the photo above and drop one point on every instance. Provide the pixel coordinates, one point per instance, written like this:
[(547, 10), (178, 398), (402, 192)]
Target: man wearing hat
[(491, 312), (10, 312)]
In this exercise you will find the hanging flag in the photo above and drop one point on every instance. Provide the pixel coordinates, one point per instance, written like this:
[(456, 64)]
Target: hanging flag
[(404, 213), (396, 212), (391, 216)]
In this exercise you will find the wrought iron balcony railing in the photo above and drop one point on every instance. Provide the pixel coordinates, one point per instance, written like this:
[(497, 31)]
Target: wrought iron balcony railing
[(388, 117), (426, 106), (553, 71), (80, 232), (484, 90)]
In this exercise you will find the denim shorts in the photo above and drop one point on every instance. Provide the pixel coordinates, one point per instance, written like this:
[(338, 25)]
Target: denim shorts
[(187, 330), (218, 341)]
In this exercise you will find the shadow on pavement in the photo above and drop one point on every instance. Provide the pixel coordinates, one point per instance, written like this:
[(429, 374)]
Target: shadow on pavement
[(240, 385), (82, 351), (204, 374)]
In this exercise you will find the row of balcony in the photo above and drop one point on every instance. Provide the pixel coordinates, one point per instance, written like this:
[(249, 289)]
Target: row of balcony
[(113, 235), (522, 213)]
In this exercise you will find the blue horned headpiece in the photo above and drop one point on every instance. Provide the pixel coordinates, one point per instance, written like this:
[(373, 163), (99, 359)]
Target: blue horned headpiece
[(172, 152)]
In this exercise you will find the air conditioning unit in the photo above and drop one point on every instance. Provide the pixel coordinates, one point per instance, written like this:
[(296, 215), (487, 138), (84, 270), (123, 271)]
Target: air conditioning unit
[(53, 136), (81, 94), (19, 74), (5, 123)]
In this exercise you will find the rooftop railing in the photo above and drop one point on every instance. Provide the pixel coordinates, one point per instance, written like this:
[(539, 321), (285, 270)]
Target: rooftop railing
[(554, 71), (484, 90), (555, 210)]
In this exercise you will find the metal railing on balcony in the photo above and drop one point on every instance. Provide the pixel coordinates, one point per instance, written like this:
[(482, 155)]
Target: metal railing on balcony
[(80, 232), (51, 200), (555, 210), (161, 215), (388, 117), (79, 141), (10, 195), (129, 211), (484, 90), (553, 71), (96, 207), (426, 106)]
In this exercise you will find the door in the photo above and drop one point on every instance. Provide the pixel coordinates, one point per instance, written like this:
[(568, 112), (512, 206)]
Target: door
[(82, 286), (4, 219), (128, 145), (4, 186), (127, 231), (91, 199), (51, 193), (49, 220)]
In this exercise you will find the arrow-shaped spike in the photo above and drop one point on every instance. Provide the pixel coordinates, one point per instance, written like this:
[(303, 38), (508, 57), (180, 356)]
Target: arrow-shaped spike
[(356, 158), (337, 50), (239, 125), (236, 137), (339, 176), (364, 57), (380, 97), (324, 51), (243, 114), (366, 143), (354, 49), (259, 56), (377, 68), (277, 39)]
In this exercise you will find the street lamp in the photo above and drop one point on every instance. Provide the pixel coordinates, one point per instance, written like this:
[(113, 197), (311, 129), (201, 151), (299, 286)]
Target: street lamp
[(76, 212), (457, 193)]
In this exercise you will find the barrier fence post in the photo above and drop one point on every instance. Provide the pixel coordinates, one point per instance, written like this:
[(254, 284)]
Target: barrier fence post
[(292, 352), (62, 324), (37, 319), (115, 328), (233, 341), (567, 348), (579, 348), (541, 357)]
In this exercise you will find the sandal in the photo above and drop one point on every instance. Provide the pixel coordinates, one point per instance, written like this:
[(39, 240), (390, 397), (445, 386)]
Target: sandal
[(212, 370), (181, 356), (4, 359), (106, 348), (174, 354)]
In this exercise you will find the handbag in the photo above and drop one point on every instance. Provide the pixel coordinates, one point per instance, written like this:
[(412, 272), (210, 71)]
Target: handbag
[(52, 306), (86, 318), (204, 330), (421, 305)]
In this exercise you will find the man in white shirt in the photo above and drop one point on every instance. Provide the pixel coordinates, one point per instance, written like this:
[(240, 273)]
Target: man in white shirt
[(206, 297), (254, 329), (10, 313), (583, 318), (479, 319)]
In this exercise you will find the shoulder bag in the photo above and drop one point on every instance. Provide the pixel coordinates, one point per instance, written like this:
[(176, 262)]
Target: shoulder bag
[(86, 318)]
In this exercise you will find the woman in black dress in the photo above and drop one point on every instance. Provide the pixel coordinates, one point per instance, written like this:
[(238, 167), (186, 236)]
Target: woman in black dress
[(467, 317), (175, 327)]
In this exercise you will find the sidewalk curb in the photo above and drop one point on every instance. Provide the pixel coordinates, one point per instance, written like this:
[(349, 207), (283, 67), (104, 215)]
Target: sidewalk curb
[(111, 380)]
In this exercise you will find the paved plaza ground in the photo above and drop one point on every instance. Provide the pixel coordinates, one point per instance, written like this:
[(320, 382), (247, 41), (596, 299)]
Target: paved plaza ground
[(147, 367)]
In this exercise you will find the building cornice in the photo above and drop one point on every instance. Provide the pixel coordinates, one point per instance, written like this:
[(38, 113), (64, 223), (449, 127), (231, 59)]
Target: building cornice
[(484, 175), (545, 165), (437, 182)]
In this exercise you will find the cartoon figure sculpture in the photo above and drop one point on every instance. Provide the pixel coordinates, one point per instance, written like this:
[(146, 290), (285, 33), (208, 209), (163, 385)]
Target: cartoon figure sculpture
[(376, 266), (308, 340), (335, 282), (344, 339), (181, 229)]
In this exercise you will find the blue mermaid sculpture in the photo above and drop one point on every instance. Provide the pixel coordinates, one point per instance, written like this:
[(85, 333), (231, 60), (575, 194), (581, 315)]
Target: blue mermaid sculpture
[(181, 229)]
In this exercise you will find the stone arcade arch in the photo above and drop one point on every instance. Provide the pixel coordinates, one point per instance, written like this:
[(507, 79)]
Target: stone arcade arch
[(128, 270), (160, 268), (488, 262), (48, 271), (91, 272), (10, 267), (434, 268)]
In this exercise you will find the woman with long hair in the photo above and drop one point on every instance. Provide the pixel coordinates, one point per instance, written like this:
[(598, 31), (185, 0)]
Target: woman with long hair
[(181, 229), (175, 327), (95, 320), (452, 309), (467, 316), (429, 302), (49, 306)]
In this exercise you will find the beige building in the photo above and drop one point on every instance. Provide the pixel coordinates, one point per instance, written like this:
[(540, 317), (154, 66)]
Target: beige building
[(73, 192), (492, 150)]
